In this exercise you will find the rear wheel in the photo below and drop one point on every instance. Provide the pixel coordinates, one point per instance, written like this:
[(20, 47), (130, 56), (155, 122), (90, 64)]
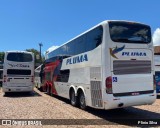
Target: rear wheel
[(82, 101), (73, 98), (40, 89), (44, 88)]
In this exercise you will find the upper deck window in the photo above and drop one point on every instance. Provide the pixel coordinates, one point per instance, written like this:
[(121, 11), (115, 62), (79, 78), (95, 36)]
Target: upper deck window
[(19, 57), (84, 43), (129, 32)]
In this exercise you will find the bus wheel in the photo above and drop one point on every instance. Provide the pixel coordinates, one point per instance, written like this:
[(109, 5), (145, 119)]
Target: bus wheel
[(82, 102), (40, 89), (73, 98)]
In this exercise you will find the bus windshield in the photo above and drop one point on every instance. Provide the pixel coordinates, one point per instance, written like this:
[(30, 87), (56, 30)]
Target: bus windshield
[(19, 57), (128, 32)]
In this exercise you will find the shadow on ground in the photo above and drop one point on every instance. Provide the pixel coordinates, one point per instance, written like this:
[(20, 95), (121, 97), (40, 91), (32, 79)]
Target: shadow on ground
[(158, 96), (21, 94), (130, 116)]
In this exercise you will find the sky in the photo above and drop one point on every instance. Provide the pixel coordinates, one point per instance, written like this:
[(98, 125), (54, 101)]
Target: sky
[(26, 23)]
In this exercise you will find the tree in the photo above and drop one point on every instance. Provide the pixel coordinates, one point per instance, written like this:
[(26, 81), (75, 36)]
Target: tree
[(36, 53), (1, 56)]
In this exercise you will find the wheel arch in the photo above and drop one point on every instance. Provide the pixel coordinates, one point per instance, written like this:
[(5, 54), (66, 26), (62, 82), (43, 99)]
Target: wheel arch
[(81, 89), (72, 87)]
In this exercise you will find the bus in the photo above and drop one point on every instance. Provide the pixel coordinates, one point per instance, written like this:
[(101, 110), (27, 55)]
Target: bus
[(157, 72), (18, 71), (1, 77), (108, 66), (37, 80)]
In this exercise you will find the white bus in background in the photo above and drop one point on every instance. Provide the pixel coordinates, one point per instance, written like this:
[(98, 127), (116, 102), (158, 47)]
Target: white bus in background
[(18, 71), (109, 66), (157, 72), (37, 80), (1, 77)]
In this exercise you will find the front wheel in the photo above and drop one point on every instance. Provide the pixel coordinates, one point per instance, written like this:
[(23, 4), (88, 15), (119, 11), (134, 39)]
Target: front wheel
[(82, 101)]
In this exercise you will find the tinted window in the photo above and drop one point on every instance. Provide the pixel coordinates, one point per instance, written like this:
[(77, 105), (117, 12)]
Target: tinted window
[(94, 38), (129, 32), (1, 74), (19, 57), (63, 76), (18, 72), (84, 43)]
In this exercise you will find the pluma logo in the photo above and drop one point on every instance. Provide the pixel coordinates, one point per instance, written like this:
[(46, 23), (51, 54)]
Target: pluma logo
[(115, 50)]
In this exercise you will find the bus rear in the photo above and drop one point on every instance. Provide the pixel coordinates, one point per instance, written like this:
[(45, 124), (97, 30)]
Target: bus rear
[(131, 76), (18, 73)]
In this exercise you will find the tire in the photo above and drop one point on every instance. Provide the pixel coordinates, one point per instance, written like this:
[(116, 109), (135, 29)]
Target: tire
[(40, 89), (44, 88), (50, 91), (82, 101), (73, 98)]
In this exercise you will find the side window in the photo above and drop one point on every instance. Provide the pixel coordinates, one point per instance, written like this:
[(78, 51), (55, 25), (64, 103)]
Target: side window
[(80, 45), (71, 48), (63, 76), (1, 74), (94, 38), (84, 43)]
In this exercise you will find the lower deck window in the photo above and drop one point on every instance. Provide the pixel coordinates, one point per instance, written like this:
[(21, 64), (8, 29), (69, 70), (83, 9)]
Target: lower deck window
[(18, 72)]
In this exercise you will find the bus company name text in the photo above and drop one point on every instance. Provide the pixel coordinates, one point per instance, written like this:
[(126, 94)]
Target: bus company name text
[(77, 59), (134, 54), (18, 65)]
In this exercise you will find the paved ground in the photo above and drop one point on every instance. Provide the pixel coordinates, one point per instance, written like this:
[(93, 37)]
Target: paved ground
[(38, 105)]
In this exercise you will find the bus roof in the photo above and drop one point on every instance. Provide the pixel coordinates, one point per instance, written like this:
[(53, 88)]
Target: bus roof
[(101, 23), (15, 51)]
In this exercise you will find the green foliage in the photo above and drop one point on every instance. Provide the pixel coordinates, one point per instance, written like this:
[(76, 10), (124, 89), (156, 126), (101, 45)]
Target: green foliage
[(1, 56), (36, 53)]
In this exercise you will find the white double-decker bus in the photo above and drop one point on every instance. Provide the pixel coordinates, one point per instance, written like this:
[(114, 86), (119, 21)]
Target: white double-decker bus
[(18, 71), (37, 81), (109, 66)]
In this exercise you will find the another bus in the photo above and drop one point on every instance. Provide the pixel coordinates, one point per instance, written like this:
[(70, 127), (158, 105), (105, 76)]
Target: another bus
[(18, 71), (157, 72), (109, 66), (37, 78), (1, 77)]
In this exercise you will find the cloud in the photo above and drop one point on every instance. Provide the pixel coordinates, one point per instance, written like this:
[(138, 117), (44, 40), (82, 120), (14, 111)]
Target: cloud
[(156, 37), (52, 48)]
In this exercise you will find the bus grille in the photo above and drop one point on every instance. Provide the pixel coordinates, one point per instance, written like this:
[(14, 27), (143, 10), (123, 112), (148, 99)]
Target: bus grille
[(121, 67), (96, 93)]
